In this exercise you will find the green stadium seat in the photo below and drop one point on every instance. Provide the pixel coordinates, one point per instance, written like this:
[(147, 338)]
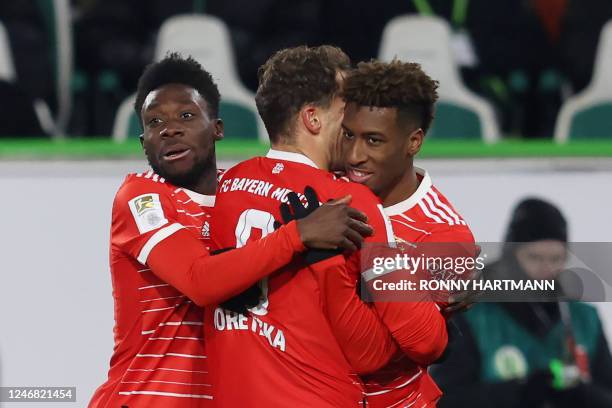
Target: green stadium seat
[(426, 40), (455, 122), (588, 115), (207, 39)]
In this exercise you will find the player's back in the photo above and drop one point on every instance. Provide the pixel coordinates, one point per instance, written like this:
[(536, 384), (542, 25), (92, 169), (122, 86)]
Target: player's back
[(283, 353)]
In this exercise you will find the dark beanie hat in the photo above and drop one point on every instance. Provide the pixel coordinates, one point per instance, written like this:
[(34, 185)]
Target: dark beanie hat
[(536, 220)]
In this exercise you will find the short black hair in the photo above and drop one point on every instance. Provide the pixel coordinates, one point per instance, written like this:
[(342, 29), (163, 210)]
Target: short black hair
[(175, 69), (395, 84)]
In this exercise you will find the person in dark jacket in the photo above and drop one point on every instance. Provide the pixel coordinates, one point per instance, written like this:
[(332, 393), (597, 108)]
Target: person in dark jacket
[(529, 354)]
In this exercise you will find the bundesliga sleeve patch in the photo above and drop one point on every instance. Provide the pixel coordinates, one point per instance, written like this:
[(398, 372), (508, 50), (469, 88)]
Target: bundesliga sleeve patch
[(147, 212)]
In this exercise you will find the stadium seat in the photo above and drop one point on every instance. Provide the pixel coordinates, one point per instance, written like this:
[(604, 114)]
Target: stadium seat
[(126, 122), (588, 115), (59, 26), (7, 68), (207, 39), (426, 40)]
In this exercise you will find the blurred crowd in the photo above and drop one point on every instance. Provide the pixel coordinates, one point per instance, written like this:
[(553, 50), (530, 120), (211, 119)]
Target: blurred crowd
[(524, 56)]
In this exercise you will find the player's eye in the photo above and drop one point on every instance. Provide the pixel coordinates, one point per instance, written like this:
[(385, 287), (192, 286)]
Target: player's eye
[(374, 141), (187, 115), (154, 122), (346, 134)]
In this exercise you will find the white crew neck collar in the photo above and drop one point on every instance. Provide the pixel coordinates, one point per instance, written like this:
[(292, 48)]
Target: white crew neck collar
[(414, 199), (290, 156)]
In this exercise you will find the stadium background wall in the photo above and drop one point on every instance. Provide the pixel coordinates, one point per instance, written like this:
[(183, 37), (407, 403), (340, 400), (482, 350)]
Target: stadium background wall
[(55, 296)]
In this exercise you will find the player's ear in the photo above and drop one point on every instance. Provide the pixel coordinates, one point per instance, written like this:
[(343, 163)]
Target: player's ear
[(415, 140), (141, 138), (310, 118), (219, 128)]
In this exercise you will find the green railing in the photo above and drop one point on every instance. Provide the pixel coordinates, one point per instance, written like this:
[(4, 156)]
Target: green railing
[(105, 148)]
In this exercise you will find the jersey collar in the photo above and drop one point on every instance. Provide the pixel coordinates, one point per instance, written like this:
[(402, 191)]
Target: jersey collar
[(414, 199), (290, 156), (201, 199)]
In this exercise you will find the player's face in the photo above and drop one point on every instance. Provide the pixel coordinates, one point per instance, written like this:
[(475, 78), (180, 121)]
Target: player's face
[(542, 259), (179, 134), (375, 150)]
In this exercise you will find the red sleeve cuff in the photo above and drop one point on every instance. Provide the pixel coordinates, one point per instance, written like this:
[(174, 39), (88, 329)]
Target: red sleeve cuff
[(293, 235)]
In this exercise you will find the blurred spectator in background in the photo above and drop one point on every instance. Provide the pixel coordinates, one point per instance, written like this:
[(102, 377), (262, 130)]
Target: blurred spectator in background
[(531, 354)]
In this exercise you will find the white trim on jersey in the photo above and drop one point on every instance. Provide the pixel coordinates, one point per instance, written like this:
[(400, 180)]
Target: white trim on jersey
[(422, 205), (290, 156), (415, 198), (202, 199), (446, 208), (410, 380), (437, 210), (388, 226), (165, 394), (155, 239)]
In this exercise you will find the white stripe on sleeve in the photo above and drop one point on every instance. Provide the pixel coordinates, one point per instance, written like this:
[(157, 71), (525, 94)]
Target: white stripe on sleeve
[(155, 239)]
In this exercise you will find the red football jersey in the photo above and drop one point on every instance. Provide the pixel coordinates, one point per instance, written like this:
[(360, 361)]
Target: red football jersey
[(159, 358), (283, 353), (425, 217)]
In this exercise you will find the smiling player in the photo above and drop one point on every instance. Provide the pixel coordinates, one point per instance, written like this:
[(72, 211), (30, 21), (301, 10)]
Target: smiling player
[(160, 264), (390, 107)]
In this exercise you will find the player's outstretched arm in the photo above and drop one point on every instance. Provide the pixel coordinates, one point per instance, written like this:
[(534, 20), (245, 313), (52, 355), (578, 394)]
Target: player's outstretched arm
[(365, 341), (179, 258)]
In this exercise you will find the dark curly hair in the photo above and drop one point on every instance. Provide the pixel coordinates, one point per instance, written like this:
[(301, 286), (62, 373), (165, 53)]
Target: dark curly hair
[(174, 69), (294, 77), (395, 84)]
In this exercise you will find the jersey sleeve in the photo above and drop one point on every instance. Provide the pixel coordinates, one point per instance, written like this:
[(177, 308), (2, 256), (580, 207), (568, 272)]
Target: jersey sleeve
[(366, 342), (418, 327), (145, 228)]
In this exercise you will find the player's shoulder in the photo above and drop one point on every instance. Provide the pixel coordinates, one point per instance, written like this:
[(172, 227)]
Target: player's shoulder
[(245, 166), (147, 182)]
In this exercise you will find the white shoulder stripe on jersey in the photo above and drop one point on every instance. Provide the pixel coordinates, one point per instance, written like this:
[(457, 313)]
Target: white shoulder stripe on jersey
[(427, 213), (448, 209), (165, 394), (432, 193), (438, 211), (155, 239)]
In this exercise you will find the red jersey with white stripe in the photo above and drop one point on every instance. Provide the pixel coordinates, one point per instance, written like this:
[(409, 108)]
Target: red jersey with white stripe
[(283, 353), (159, 358), (426, 216)]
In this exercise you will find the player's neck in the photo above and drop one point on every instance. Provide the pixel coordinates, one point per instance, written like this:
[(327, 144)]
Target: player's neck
[(402, 190), (207, 183), (320, 160)]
